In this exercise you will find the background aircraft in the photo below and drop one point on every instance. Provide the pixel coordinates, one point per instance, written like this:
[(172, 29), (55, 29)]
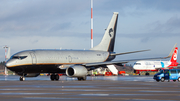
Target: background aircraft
[(140, 66)]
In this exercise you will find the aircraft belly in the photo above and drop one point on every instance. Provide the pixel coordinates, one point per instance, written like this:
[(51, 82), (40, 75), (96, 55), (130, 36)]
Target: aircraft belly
[(37, 69)]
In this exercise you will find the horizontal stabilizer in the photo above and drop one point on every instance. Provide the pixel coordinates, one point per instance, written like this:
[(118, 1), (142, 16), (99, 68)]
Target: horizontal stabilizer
[(129, 52)]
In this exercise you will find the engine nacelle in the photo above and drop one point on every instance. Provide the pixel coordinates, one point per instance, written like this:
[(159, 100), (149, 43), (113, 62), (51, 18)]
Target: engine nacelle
[(29, 74), (76, 71)]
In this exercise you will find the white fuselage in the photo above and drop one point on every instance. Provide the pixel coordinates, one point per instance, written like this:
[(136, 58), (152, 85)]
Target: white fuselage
[(49, 59), (150, 65)]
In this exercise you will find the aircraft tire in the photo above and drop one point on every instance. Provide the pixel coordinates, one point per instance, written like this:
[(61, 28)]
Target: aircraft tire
[(82, 78), (79, 78), (52, 77), (147, 74), (56, 77), (21, 78), (174, 80), (162, 79)]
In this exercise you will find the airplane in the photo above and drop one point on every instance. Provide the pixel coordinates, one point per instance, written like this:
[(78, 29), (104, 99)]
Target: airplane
[(140, 66), (74, 63)]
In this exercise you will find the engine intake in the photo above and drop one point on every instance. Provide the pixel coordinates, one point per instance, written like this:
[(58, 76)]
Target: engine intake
[(76, 71)]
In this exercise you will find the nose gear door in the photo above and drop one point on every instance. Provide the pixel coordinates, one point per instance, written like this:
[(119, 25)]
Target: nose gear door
[(33, 56)]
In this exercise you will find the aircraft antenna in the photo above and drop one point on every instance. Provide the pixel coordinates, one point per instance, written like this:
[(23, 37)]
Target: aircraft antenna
[(91, 23)]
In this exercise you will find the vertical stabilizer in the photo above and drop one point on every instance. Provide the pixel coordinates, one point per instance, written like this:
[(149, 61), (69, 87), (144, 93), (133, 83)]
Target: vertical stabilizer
[(174, 55), (173, 60), (108, 40)]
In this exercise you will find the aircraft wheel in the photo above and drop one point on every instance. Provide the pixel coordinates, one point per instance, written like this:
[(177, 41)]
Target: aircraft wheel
[(56, 77), (84, 78), (179, 79), (81, 78), (52, 77), (147, 74), (174, 80), (162, 79), (22, 78)]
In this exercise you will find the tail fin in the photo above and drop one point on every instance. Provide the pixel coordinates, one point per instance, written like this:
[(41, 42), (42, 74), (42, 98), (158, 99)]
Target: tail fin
[(174, 55), (108, 40)]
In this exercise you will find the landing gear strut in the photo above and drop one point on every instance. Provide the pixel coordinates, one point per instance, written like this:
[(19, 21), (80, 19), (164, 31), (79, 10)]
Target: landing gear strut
[(54, 77)]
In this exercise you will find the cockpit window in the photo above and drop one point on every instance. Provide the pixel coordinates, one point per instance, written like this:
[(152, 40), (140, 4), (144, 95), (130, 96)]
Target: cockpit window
[(19, 57), (137, 64)]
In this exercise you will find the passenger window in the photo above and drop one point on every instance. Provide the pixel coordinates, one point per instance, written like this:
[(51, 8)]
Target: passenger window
[(173, 71)]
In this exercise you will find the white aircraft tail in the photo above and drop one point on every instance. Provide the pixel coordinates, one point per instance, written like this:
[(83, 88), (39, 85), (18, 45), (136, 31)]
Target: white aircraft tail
[(108, 40)]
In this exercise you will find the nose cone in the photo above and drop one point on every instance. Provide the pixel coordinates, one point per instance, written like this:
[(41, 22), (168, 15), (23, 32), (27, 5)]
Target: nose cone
[(10, 63), (135, 67)]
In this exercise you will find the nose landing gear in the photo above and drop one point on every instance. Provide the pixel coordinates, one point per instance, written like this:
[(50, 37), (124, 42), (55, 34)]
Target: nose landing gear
[(22, 78)]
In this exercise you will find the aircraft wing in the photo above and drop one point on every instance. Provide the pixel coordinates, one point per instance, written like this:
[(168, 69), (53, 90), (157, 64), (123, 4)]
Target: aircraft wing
[(119, 62)]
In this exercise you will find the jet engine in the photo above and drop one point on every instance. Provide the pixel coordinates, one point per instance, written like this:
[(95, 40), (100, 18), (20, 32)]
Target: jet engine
[(28, 74), (76, 71)]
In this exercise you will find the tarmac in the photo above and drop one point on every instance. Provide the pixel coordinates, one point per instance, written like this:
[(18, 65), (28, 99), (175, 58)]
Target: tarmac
[(99, 88)]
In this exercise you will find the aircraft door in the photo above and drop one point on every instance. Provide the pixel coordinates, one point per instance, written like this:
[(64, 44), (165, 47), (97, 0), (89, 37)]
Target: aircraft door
[(69, 59), (34, 61)]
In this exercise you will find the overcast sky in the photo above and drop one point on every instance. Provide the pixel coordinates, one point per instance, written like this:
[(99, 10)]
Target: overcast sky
[(65, 24)]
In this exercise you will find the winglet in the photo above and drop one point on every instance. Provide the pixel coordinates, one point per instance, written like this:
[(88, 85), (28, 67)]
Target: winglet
[(170, 54)]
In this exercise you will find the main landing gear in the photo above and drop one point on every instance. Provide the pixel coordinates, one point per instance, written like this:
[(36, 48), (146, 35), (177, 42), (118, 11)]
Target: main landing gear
[(82, 78), (54, 77), (147, 74)]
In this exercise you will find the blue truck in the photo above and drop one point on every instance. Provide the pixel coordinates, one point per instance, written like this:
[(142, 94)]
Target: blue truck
[(167, 74)]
